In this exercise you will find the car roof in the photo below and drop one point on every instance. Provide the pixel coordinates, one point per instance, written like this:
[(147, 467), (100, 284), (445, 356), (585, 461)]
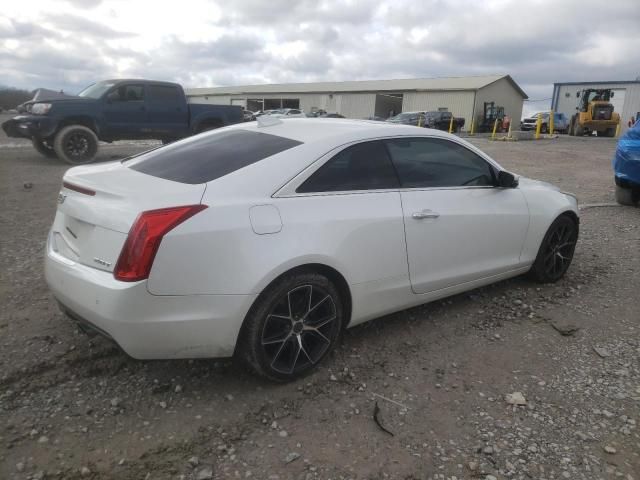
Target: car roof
[(335, 130)]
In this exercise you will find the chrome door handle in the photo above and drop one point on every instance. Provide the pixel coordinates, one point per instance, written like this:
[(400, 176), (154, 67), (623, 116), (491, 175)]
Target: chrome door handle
[(425, 214)]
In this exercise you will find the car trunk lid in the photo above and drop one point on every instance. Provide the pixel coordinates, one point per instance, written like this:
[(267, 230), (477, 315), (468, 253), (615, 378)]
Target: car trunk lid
[(97, 206)]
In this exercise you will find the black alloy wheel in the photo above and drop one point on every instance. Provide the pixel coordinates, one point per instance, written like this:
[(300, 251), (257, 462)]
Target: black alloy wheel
[(556, 251), (292, 327)]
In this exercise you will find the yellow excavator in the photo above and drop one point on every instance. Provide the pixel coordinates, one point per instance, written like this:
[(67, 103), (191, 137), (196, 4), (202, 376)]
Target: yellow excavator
[(594, 113)]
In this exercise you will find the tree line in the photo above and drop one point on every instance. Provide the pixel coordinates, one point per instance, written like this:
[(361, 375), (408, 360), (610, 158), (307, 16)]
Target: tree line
[(12, 97)]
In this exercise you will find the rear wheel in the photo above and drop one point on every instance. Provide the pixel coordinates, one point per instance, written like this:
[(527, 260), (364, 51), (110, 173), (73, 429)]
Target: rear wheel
[(625, 196), (556, 251), (544, 128), (294, 324), (611, 132), (76, 144), (43, 147)]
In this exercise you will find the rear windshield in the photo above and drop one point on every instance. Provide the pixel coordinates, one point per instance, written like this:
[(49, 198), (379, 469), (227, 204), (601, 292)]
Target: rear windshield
[(206, 157)]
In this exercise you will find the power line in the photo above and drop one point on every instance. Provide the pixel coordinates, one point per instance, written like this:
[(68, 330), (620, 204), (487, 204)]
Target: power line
[(540, 100)]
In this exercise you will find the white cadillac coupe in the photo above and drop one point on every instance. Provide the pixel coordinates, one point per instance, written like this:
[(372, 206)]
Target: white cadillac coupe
[(266, 240)]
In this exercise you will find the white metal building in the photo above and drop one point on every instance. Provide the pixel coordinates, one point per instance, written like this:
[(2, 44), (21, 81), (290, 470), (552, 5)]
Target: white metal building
[(463, 96), (626, 98)]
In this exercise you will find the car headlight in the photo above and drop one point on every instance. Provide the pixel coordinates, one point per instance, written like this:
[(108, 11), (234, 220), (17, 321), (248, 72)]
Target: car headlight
[(41, 108)]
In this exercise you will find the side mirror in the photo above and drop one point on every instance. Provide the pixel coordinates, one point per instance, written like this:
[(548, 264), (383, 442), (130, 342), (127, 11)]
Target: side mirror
[(507, 180)]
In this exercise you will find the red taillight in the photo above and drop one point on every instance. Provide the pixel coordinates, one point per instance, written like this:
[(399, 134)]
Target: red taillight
[(144, 238)]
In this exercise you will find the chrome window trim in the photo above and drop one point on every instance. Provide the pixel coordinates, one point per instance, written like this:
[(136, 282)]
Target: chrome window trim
[(288, 190)]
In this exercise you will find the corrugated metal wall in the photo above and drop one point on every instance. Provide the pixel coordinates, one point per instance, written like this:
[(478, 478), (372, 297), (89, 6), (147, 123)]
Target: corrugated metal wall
[(503, 93), (363, 105), (626, 99), (460, 103), (358, 105)]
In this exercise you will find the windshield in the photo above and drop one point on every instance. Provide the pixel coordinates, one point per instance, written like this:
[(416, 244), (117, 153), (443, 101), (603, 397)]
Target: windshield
[(96, 90)]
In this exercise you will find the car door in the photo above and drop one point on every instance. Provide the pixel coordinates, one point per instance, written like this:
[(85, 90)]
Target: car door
[(166, 110), (459, 226), (125, 112), (350, 211)]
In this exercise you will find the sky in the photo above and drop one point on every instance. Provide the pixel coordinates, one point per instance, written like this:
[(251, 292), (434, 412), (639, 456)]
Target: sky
[(68, 44)]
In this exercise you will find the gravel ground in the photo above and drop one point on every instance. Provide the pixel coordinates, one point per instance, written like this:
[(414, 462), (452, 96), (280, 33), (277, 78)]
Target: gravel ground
[(447, 377)]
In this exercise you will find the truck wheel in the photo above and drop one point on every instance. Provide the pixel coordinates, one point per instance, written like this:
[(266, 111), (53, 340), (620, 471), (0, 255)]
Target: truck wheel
[(611, 132), (44, 148), (571, 128), (625, 196), (76, 144), (544, 130)]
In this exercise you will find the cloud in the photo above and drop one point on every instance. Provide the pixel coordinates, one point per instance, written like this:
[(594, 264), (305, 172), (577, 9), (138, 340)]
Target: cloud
[(207, 43)]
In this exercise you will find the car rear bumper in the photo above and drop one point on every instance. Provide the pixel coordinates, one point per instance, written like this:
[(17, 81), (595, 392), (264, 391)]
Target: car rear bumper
[(30, 126), (146, 326)]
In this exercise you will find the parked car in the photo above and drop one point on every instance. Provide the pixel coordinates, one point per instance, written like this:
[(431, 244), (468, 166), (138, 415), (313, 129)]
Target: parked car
[(626, 167), (69, 128), (560, 122), (442, 121), (331, 115), (408, 118), (265, 240), (248, 116), (289, 113)]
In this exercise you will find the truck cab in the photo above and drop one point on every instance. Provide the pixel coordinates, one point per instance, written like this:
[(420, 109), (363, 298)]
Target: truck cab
[(127, 109)]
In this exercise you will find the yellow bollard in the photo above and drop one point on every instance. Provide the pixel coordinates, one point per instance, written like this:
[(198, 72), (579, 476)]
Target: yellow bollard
[(495, 127), (538, 126), (473, 125), (551, 122), (618, 130), (420, 120), (451, 124)]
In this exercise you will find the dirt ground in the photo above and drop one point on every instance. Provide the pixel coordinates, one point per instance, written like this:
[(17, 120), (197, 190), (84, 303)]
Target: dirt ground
[(73, 407)]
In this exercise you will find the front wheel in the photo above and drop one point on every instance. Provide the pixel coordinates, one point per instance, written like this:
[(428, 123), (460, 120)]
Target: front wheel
[(76, 144), (294, 324), (556, 251), (43, 147)]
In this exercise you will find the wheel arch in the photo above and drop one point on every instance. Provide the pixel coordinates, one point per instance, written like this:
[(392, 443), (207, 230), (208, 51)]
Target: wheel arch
[(330, 272), (83, 120), (201, 123)]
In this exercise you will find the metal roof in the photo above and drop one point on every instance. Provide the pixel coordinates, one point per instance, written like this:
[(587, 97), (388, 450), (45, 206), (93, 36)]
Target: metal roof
[(621, 82), (397, 85)]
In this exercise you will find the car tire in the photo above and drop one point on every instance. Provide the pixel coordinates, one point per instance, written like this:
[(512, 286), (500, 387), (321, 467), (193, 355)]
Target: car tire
[(76, 144), (544, 129), (556, 250), (44, 148), (291, 327), (625, 196)]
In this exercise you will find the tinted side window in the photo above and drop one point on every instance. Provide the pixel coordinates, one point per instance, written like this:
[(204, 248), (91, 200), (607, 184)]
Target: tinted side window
[(127, 93), (203, 158), (365, 166), (432, 162), (163, 93)]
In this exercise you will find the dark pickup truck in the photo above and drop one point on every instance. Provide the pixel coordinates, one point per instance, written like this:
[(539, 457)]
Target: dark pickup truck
[(69, 127), (442, 121)]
